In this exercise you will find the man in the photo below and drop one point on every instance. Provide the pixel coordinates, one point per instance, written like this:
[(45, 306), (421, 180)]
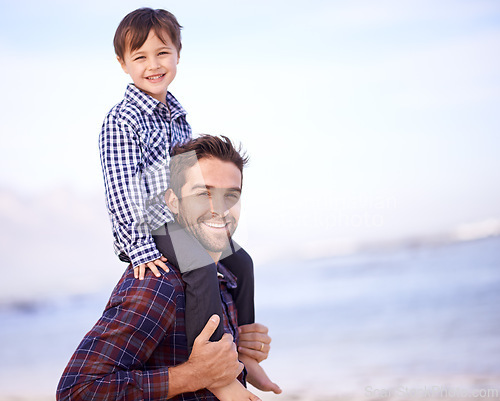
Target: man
[(138, 348)]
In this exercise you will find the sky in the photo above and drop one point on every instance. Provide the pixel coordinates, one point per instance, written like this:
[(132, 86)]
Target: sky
[(364, 121)]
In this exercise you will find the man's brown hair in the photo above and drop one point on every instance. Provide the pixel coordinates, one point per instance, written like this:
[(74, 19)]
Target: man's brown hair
[(206, 146), (135, 27)]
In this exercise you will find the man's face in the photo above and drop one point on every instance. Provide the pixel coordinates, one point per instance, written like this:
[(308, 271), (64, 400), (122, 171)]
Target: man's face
[(209, 207)]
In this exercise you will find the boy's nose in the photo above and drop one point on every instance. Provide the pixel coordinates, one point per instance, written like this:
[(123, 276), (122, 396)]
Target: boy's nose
[(154, 64)]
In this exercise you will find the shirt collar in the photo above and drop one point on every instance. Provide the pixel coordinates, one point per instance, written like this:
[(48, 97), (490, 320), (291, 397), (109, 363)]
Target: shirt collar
[(226, 276), (138, 97), (176, 110), (149, 104)]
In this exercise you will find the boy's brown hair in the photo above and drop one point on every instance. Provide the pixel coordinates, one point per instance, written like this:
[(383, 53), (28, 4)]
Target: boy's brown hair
[(135, 27), (206, 146)]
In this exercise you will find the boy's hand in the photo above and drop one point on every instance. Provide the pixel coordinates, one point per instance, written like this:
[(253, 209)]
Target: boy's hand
[(140, 270), (254, 341)]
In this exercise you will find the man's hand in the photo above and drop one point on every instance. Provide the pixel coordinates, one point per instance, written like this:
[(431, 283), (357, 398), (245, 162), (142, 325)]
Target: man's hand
[(140, 270), (211, 364), (215, 363), (254, 341)]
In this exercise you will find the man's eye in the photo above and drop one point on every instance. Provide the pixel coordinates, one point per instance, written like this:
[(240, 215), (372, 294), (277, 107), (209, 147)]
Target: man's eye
[(206, 193)]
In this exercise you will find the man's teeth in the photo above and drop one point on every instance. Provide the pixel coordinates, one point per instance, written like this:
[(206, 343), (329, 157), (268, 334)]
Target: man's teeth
[(215, 225), (156, 76)]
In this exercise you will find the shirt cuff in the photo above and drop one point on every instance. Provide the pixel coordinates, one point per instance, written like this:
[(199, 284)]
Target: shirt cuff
[(144, 254), (155, 385)]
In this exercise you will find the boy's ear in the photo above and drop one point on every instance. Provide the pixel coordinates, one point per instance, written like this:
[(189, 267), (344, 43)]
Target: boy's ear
[(172, 201), (122, 63)]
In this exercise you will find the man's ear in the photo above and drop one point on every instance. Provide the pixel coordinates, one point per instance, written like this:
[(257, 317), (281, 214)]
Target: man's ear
[(172, 201), (122, 63)]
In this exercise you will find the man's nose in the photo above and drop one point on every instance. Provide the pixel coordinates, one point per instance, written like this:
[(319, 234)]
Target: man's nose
[(218, 205)]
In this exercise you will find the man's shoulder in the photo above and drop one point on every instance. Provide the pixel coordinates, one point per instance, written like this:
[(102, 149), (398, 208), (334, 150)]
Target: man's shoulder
[(166, 288)]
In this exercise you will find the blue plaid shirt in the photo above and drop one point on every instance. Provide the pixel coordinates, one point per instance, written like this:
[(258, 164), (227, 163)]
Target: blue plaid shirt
[(134, 144)]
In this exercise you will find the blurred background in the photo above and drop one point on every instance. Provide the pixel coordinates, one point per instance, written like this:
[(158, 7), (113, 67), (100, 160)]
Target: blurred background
[(371, 203)]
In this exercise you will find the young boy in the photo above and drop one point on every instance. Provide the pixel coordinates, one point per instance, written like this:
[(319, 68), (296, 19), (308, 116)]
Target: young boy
[(135, 143)]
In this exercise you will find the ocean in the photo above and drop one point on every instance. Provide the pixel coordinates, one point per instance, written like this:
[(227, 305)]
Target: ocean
[(412, 322)]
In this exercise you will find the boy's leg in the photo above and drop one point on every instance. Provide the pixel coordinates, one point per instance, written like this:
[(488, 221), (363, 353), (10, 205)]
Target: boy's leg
[(257, 376), (202, 301), (199, 273), (164, 245), (240, 264)]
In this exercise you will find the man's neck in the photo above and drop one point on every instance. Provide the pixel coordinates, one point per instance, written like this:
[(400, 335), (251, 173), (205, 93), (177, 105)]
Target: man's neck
[(215, 256)]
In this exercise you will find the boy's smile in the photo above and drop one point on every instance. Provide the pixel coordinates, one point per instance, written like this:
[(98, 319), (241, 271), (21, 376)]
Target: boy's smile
[(153, 66)]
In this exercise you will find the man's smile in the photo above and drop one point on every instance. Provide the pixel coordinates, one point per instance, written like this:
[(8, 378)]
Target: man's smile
[(213, 224)]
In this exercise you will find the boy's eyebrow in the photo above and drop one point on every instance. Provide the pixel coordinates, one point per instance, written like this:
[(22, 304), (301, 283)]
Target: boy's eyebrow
[(138, 51)]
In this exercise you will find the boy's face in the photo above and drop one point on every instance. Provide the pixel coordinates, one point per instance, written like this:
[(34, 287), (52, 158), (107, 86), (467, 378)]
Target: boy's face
[(153, 66)]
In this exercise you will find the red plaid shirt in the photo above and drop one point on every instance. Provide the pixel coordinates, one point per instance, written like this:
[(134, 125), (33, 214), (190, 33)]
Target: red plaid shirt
[(140, 334)]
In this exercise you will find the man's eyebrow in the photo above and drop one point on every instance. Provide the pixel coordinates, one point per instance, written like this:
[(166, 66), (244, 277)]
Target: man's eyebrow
[(202, 186)]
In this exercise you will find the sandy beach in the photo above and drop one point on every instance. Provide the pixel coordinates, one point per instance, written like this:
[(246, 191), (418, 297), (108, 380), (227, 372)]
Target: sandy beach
[(467, 389)]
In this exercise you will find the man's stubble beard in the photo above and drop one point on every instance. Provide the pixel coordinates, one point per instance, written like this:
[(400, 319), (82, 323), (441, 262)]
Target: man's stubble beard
[(207, 241)]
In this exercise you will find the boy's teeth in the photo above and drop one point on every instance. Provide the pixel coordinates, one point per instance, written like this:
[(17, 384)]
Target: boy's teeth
[(155, 77)]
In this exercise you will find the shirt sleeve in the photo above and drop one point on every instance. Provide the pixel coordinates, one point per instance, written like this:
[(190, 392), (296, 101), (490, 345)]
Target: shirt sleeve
[(125, 185), (110, 362)]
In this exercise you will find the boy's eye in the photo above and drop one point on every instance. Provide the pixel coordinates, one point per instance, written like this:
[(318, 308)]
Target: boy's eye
[(139, 58)]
